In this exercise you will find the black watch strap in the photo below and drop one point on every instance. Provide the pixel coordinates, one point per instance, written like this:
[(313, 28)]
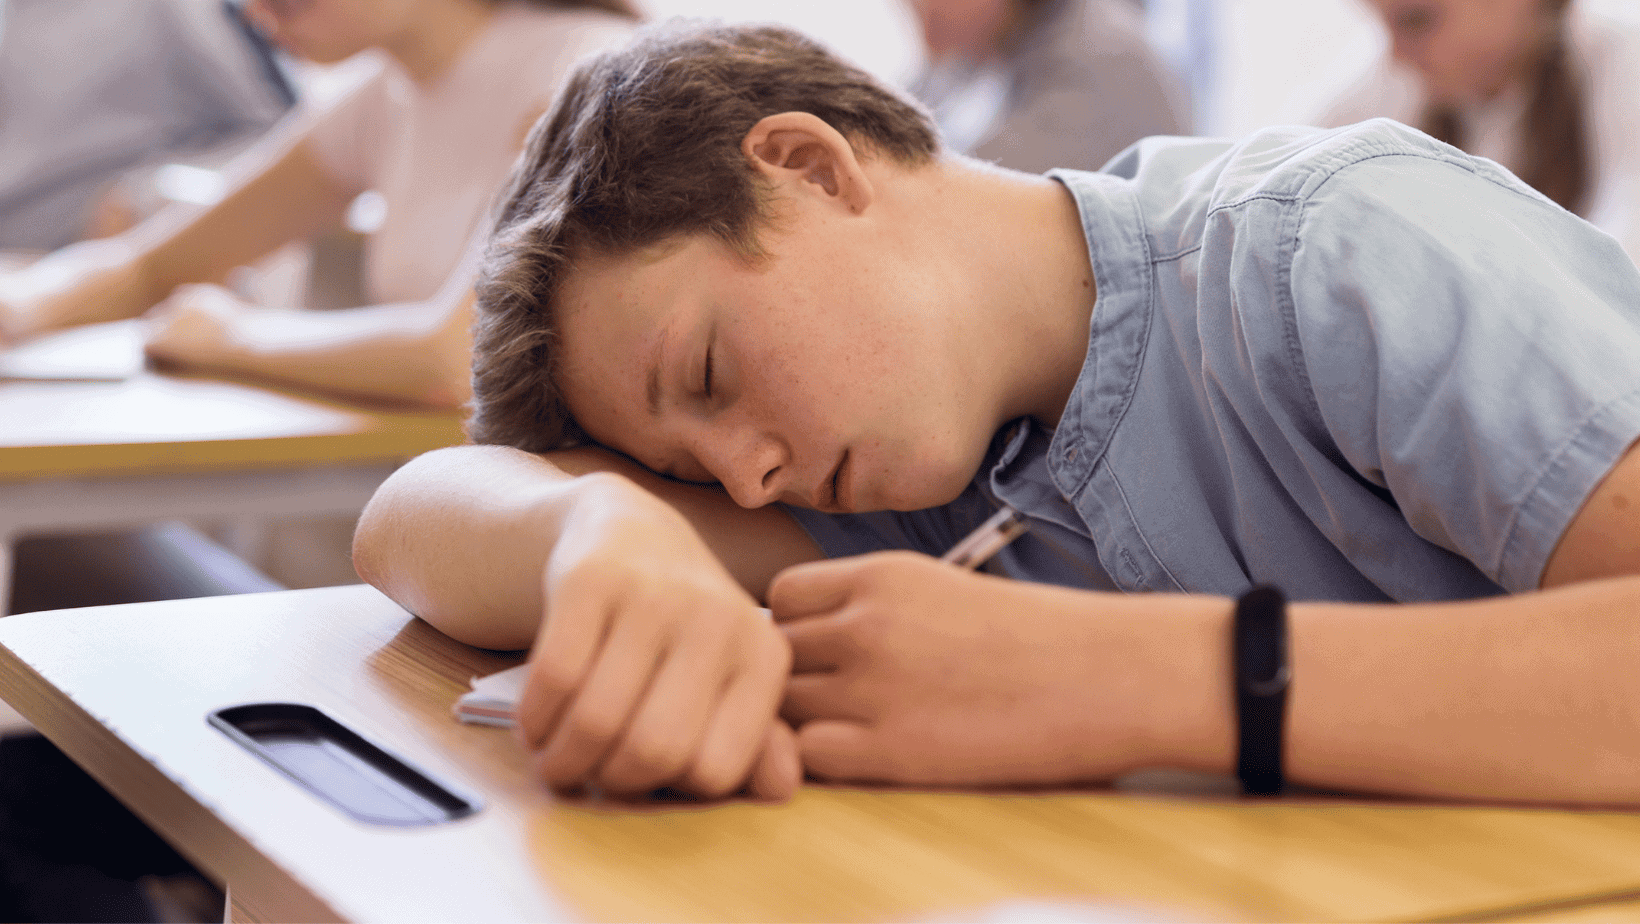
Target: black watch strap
[(1259, 652)]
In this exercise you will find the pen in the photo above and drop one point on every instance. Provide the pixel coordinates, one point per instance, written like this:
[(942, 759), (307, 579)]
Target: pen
[(977, 547)]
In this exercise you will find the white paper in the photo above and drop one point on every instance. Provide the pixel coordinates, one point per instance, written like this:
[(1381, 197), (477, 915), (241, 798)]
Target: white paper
[(493, 698), (93, 353)]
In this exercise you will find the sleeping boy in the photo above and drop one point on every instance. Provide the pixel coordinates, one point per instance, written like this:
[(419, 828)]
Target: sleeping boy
[(748, 335)]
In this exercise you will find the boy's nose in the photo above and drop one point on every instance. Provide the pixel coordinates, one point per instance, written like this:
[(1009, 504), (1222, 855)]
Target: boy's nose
[(753, 469)]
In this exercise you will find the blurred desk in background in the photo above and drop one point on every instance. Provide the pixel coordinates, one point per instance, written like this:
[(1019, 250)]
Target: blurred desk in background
[(102, 444), (125, 691)]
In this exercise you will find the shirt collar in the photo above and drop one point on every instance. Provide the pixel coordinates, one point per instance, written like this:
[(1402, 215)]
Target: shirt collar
[(1119, 251)]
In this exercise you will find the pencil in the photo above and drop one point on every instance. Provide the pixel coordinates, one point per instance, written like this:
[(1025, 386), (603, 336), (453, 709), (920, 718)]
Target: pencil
[(977, 547)]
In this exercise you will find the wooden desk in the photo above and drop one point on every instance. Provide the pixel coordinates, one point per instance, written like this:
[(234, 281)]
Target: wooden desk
[(125, 690), (82, 455)]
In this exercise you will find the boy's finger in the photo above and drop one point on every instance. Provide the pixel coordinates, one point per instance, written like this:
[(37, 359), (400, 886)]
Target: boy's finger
[(736, 732), (811, 588), (562, 655), (667, 727), (820, 643), (779, 769), (841, 750), (598, 714), (823, 697)]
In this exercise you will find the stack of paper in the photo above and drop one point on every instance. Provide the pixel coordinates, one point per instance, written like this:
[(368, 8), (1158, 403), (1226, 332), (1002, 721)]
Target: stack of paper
[(493, 698)]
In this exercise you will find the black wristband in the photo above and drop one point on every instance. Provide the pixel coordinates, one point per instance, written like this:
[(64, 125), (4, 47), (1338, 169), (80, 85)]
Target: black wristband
[(1259, 653)]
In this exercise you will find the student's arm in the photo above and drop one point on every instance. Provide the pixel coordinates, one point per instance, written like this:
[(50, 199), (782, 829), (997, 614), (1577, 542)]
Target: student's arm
[(280, 194), (1531, 698), (413, 352), (652, 664)]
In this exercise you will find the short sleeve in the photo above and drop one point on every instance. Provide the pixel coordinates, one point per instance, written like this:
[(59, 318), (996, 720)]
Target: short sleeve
[(1471, 347)]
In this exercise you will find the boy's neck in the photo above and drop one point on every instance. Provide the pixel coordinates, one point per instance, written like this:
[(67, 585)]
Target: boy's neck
[(1017, 246)]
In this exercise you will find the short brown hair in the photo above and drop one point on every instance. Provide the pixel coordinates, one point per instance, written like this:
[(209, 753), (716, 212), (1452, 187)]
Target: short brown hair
[(644, 145)]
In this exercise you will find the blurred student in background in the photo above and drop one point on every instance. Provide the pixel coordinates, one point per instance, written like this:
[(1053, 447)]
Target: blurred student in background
[(1548, 88), (92, 90), (433, 131), (1037, 84)]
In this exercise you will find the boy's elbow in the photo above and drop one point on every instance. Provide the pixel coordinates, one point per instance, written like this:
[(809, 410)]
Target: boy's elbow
[(368, 560)]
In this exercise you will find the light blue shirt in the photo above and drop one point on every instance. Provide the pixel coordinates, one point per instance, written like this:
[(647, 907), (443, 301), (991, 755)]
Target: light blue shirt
[(1358, 364)]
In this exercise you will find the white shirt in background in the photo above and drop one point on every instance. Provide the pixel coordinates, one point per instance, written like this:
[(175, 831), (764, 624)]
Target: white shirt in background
[(438, 153)]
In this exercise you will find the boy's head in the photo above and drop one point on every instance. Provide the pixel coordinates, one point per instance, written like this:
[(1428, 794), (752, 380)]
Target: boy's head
[(737, 259), (644, 146)]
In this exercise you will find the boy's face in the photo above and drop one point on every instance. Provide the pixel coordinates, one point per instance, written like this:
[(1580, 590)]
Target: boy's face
[(827, 375)]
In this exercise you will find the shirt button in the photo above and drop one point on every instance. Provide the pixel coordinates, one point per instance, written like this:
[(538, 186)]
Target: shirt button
[(1070, 454)]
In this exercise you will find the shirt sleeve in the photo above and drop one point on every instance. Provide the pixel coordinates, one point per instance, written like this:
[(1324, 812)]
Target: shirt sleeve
[(1471, 347)]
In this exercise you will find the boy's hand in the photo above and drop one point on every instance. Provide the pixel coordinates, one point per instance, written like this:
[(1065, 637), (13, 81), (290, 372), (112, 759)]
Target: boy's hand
[(653, 667), (909, 670)]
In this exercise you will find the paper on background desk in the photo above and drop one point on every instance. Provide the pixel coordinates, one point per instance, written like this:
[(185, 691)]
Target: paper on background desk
[(94, 353)]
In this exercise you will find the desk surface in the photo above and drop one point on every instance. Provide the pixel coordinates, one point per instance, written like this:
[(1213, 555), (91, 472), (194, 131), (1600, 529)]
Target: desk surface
[(151, 423), (125, 691)]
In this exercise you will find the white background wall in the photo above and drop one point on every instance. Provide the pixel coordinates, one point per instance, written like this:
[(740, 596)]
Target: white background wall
[(1279, 60), (1275, 56)]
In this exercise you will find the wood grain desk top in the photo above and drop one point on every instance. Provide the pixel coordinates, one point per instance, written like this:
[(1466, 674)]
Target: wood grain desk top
[(125, 690), (151, 423)]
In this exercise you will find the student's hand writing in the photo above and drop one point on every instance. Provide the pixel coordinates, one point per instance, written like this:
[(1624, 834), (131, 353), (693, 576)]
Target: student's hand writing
[(653, 667), (195, 326), (912, 671)]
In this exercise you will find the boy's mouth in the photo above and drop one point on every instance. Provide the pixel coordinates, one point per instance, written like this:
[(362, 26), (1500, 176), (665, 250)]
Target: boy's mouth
[(836, 482)]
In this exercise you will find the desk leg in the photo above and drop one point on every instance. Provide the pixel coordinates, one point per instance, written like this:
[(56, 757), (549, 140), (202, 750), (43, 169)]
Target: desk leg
[(235, 913), (8, 549), (11, 721)]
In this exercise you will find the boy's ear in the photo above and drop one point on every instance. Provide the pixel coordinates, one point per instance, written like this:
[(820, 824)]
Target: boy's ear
[(801, 148)]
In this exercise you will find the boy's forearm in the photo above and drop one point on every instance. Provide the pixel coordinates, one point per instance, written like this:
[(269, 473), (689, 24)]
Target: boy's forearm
[(460, 537), (1526, 698), (1530, 697)]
